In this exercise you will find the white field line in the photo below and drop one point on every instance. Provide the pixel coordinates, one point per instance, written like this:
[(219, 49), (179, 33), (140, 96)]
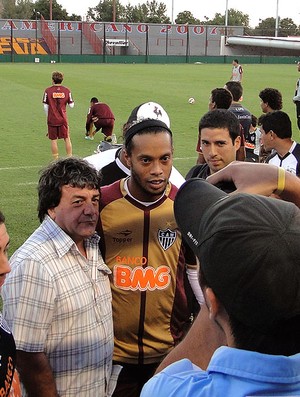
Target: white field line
[(26, 167)]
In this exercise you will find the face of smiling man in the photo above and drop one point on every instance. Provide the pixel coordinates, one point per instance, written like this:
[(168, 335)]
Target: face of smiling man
[(150, 162)]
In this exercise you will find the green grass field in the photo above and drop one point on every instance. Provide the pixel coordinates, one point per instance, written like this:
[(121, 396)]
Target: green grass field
[(25, 149)]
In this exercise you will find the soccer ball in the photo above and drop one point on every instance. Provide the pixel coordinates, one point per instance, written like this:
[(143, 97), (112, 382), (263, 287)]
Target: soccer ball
[(191, 101)]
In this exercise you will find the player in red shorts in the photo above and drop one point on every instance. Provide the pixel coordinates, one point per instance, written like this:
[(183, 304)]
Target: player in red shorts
[(100, 117), (55, 100)]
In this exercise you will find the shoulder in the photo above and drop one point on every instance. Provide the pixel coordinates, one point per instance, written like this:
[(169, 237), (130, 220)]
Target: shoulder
[(178, 379), (296, 151), (110, 193), (172, 191), (272, 157), (198, 171)]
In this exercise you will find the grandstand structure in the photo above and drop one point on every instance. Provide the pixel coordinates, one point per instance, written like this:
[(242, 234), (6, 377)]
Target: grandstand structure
[(42, 37), (46, 40)]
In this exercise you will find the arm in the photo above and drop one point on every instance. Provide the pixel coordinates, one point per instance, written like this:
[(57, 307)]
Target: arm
[(258, 179), (200, 343), (241, 74), (36, 374), (297, 92), (46, 108)]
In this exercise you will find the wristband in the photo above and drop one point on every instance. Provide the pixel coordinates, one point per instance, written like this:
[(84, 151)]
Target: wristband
[(280, 181)]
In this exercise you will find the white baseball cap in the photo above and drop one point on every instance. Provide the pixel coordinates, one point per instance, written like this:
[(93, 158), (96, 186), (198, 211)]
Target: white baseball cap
[(149, 111)]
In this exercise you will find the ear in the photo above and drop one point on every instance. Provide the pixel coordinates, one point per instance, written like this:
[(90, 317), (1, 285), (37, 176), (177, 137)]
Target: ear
[(237, 143), (214, 305)]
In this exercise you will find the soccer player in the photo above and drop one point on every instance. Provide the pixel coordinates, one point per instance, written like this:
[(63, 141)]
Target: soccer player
[(100, 117), (296, 98), (276, 133), (144, 250), (237, 71), (55, 100)]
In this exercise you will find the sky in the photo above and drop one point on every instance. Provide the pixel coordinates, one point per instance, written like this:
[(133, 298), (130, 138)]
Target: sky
[(256, 9)]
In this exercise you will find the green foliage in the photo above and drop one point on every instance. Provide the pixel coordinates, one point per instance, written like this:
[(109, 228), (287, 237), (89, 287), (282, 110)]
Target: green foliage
[(28, 9), (266, 27), (186, 17), (104, 11), (149, 12), (25, 149), (9, 9), (235, 18)]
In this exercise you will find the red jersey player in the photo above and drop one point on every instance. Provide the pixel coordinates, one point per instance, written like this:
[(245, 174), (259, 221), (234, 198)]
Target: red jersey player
[(55, 100)]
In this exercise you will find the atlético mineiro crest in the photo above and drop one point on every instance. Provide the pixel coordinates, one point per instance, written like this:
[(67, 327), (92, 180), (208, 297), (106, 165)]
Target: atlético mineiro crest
[(166, 238)]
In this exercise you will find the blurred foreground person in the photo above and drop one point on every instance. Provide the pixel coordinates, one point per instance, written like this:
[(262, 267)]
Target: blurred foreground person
[(253, 299)]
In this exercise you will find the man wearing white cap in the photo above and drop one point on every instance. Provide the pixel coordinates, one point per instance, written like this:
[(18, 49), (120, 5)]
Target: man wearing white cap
[(143, 248), (112, 162)]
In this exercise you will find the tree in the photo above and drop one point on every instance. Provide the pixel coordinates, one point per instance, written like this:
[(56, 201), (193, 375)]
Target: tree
[(287, 27), (149, 12), (9, 9), (266, 27), (28, 9), (235, 18), (157, 12), (103, 12), (186, 17)]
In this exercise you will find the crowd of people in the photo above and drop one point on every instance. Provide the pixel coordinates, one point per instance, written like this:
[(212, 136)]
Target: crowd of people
[(139, 282)]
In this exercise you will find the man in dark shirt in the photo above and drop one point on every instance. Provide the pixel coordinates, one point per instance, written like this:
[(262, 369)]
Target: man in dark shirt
[(220, 139)]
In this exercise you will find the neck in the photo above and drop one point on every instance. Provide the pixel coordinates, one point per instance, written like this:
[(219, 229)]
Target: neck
[(283, 146), (81, 247)]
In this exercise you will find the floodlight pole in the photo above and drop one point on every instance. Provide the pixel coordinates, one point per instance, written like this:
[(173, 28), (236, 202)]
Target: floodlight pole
[(36, 29), (50, 10), (172, 11), (277, 19), (114, 11), (226, 19)]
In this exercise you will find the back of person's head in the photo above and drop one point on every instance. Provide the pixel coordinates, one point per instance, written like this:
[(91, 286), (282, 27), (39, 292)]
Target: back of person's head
[(57, 77), (260, 119), (149, 117), (221, 118), (249, 253), (236, 89), (272, 97), (236, 60), (253, 120), (71, 171), (278, 122), (94, 100), (221, 97)]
